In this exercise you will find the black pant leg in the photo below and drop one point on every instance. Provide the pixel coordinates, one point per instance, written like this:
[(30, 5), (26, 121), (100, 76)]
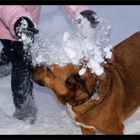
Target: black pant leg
[(21, 87), (21, 61), (5, 53), (21, 82)]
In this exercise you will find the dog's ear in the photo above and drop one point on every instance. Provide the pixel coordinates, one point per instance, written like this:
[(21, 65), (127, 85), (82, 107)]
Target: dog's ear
[(75, 82)]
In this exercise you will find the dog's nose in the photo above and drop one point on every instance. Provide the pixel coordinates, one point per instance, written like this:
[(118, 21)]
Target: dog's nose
[(39, 82)]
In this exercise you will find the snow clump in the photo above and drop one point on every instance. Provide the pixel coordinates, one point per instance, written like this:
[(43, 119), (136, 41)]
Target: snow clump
[(86, 43)]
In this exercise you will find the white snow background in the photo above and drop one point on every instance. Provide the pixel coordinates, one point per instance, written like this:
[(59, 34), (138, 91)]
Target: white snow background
[(53, 118)]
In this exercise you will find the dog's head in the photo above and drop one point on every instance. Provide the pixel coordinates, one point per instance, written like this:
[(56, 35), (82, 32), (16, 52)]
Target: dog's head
[(54, 77), (65, 81)]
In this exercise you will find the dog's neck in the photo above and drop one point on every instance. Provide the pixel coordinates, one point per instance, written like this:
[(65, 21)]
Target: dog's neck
[(102, 82), (81, 93)]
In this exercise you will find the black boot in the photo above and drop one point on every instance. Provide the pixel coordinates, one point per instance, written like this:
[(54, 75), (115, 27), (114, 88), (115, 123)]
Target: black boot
[(21, 83)]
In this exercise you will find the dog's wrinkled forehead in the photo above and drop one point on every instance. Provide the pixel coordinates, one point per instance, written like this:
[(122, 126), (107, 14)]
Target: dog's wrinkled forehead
[(54, 73), (65, 71)]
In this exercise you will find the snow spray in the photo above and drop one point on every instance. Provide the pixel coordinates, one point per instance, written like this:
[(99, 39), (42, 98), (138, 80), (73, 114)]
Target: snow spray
[(91, 44)]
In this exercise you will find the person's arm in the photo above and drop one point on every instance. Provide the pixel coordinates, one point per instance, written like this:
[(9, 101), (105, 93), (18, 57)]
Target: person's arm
[(19, 22), (10, 14), (78, 12), (73, 10), (25, 30)]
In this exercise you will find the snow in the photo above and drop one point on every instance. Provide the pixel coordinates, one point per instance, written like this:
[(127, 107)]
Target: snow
[(53, 118), (26, 39), (85, 42), (95, 96), (82, 71), (47, 109)]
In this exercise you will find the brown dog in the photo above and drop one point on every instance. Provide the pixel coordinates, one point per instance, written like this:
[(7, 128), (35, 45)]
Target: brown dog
[(118, 89)]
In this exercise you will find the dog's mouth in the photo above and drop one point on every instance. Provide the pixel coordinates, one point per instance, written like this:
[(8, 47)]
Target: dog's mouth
[(78, 92), (40, 83)]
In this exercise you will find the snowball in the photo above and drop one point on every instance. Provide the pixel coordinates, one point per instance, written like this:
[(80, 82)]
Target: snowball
[(95, 67), (95, 96), (85, 43), (82, 71), (108, 52), (66, 36), (39, 59), (109, 55), (69, 52), (99, 71), (23, 37), (82, 23)]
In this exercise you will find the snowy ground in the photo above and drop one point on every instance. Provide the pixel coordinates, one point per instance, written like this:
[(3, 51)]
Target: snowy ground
[(52, 116)]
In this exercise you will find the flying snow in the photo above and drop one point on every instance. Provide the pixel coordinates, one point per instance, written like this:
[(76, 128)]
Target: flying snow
[(85, 43), (22, 33)]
